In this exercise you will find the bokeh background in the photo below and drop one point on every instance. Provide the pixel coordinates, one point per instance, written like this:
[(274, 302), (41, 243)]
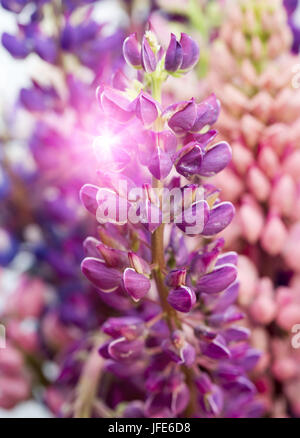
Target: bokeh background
[(48, 120)]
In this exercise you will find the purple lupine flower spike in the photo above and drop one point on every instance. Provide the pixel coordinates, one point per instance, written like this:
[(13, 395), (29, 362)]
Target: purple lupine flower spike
[(177, 332)]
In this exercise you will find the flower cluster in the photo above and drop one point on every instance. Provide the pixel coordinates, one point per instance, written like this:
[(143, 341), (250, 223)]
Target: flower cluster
[(252, 69), (176, 343)]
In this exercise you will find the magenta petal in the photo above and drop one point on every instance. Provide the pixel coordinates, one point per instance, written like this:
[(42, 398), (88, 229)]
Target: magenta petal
[(136, 285), (129, 327), (114, 104), (219, 218), (190, 163), (216, 159), (176, 278), (216, 349), (113, 257), (123, 350), (167, 142), (88, 197), (104, 278), (207, 113), (228, 297), (160, 165), (188, 354), (227, 257), (90, 247), (217, 280), (183, 120), (146, 109), (234, 334), (182, 299)]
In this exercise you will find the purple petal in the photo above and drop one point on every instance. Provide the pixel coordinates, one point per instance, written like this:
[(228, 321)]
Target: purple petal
[(129, 327), (146, 109), (217, 280), (236, 334), (104, 278), (149, 60), (113, 257), (182, 299), (216, 159), (216, 349), (136, 285), (114, 104), (123, 350), (90, 247), (167, 142), (184, 118), (190, 164), (190, 52), (16, 47), (176, 278), (88, 197), (207, 113), (228, 257), (132, 51), (220, 217), (228, 297), (160, 164), (174, 55)]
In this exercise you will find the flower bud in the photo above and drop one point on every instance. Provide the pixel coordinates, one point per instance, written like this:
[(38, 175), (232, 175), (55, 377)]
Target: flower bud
[(174, 55)]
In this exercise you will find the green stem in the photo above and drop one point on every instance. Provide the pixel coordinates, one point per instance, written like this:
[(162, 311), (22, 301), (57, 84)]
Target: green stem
[(159, 266)]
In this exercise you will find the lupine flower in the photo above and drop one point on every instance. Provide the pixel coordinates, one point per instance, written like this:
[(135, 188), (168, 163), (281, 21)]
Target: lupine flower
[(252, 74), (177, 326)]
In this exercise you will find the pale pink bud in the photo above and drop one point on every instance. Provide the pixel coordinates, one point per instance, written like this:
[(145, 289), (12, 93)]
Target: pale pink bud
[(258, 184), (242, 157), (247, 276), (283, 195), (263, 310), (291, 250), (291, 164), (289, 316), (13, 390), (257, 48), (251, 129), (252, 221), (284, 368), (261, 105), (238, 43), (273, 236), (234, 99), (275, 136), (268, 161), (248, 71)]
